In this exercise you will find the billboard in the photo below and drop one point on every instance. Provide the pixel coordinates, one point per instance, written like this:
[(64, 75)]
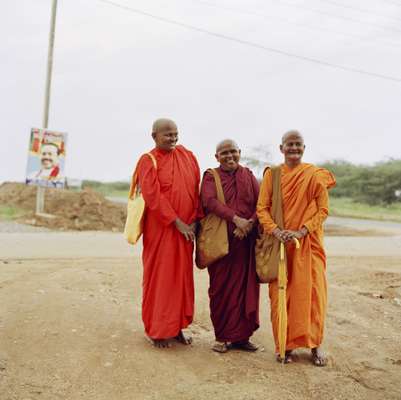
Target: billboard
[(46, 158)]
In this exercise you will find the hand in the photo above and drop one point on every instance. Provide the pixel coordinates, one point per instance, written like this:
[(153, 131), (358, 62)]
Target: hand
[(238, 233), (241, 223), (278, 234), (284, 235), (300, 233), (187, 230), (288, 235), (194, 227), (245, 225)]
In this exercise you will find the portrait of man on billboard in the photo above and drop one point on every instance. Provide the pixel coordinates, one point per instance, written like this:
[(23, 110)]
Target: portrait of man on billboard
[(46, 159)]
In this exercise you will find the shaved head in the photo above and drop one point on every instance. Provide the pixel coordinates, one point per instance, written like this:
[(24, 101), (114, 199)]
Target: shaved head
[(165, 134), (292, 133), (163, 125), (228, 154), (293, 147), (226, 142)]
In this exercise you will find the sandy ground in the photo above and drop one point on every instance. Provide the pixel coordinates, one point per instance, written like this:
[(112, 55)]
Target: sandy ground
[(70, 327)]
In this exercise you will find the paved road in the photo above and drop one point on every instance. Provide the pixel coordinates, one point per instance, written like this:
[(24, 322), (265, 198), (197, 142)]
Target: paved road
[(365, 224)]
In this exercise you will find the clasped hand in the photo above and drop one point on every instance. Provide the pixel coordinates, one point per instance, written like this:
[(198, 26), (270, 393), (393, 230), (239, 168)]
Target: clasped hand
[(243, 226), (287, 235), (187, 230)]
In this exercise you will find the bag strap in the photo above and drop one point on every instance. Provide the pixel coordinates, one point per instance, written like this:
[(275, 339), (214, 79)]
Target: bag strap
[(219, 187), (134, 180), (277, 205)]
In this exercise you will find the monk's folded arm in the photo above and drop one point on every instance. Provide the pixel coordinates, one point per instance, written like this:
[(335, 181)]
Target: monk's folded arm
[(322, 202), (210, 202), (264, 204), (150, 188)]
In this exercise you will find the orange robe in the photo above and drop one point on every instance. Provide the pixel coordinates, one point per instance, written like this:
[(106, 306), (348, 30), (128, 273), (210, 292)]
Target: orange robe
[(170, 192), (305, 203)]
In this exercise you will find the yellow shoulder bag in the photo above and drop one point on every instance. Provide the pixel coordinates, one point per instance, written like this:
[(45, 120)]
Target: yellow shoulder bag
[(135, 208)]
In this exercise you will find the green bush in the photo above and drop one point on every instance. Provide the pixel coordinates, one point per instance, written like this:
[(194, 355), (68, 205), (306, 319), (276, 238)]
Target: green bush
[(375, 185)]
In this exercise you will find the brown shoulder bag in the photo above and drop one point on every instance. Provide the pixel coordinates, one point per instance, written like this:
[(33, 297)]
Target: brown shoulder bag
[(267, 247), (212, 236)]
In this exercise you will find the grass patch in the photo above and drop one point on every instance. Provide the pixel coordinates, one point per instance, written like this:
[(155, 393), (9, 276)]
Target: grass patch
[(9, 213), (346, 207), (106, 192), (109, 189)]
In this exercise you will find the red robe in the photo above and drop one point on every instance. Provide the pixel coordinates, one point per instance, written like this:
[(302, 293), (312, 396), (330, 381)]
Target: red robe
[(170, 192), (234, 290)]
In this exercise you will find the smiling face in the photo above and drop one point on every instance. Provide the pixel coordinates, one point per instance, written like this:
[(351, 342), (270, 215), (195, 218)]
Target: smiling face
[(48, 156), (165, 134), (293, 148), (228, 155)]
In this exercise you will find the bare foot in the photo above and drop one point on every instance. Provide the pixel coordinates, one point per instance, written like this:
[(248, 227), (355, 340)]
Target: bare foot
[(287, 358), (161, 343), (183, 339), (318, 357)]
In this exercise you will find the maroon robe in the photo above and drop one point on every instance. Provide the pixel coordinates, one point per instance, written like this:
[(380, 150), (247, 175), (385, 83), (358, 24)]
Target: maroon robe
[(234, 290)]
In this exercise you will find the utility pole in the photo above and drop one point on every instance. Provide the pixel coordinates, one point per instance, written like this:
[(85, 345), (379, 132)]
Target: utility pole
[(40, 194)]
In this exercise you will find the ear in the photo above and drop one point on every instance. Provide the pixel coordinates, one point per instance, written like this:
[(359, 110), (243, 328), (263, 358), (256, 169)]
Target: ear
[(217, 157), (154, 135), (281, 147), (239, 151)]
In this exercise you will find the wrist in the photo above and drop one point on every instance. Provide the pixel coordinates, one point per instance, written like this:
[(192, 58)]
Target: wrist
[(276, 232)]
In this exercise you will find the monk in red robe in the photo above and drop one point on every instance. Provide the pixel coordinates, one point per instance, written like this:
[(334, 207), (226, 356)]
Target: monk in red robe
[(234, 290), (171, 194), (305, 207)]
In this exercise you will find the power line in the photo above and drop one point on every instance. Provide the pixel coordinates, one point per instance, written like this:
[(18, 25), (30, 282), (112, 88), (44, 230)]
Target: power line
[(327, 14), (290, 22), (393, 2), (250, 44), (370, 12)]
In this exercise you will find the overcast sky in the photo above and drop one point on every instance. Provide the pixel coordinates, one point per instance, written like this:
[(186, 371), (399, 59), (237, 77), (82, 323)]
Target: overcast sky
[(115, 71)]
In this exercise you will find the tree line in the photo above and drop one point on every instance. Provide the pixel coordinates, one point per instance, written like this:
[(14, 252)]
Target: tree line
[(371, 184)]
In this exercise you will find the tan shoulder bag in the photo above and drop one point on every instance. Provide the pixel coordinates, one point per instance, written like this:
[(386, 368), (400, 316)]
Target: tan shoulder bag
[(267, 248), (212, 236)]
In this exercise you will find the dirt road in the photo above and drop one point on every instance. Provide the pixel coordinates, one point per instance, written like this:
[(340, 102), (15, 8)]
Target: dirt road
[(70, 328)]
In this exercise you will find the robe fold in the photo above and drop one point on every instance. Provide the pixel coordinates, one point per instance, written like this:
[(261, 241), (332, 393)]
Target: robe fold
[(171, 191), (233, 290), (305, 203)]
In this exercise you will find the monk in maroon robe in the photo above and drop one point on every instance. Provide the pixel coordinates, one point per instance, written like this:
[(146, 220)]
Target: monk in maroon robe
[(171, 194), (234, 290)]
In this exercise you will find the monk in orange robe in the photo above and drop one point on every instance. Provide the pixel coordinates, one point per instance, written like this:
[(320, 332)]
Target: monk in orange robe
[(305, 207), (171, 194)]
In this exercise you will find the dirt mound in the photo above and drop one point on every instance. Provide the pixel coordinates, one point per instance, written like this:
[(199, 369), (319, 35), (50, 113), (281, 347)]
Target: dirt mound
[(85, 210)]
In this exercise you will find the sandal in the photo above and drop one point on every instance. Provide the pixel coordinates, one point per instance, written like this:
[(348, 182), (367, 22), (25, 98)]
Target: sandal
[(220, 347), (245, 346), (318, 358), (287, 358)]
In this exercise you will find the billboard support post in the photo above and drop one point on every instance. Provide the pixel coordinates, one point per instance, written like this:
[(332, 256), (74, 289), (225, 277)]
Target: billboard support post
[(40, 194)]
